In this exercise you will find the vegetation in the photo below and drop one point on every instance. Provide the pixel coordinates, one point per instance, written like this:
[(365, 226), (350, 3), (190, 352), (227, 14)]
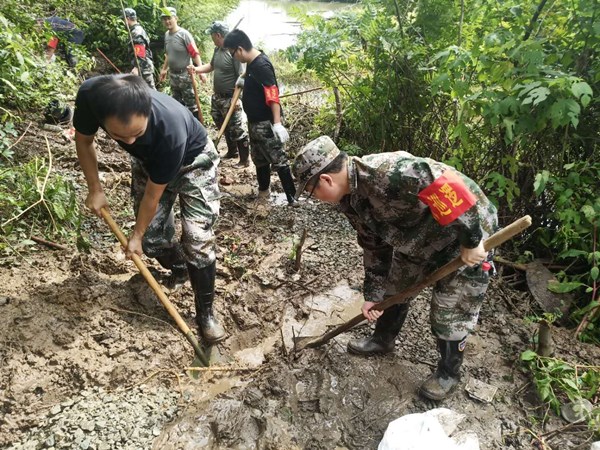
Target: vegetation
[(503, 92)]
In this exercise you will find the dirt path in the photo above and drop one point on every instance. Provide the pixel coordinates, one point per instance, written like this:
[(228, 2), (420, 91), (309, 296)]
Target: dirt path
[(89, 359)]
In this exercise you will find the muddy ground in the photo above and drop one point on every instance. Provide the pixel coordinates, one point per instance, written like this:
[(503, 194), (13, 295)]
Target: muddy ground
[(90, 359)]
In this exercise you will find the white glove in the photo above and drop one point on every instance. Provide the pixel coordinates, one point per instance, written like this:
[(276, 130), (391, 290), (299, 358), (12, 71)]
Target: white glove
[(240, 82), (280, 132)]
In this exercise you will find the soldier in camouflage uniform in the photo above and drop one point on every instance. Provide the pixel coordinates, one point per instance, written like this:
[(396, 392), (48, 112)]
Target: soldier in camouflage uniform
[(412, 215), (142, 55), (180, 48), (262, 106), (172, 158), (227, 76)]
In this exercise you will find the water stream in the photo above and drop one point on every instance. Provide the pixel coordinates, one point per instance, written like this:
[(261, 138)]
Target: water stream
[(271, 24)]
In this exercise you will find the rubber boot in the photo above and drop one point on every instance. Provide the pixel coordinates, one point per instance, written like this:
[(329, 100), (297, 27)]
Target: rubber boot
[(232, 149), (263, 175), (287, 182), (386, 329), (174, 260), (244, 151), (203, 284), (447, 375)]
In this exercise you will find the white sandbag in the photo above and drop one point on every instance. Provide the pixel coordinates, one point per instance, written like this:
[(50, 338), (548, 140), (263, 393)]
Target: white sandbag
[(424, 431)]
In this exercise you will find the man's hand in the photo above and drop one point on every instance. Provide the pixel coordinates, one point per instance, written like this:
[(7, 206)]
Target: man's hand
[(202, 77), (191, 69), (473, 256), (163, 75), (240, 82), (134, 245), (281, 133), (370, 314), (135, 71), (95, 201)]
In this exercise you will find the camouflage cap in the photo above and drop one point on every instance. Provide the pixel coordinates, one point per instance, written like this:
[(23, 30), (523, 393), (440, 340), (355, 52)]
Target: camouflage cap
[(314, 157), (169, 11), (130, 13), (218, 27)]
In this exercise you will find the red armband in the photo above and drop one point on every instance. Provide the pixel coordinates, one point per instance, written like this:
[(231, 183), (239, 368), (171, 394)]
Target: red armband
[(140, 50), (192, 50), (53, 42), (448, 197), (271, 94)]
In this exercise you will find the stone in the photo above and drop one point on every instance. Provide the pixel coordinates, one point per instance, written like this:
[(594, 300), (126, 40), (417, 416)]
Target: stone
[(55, 410)]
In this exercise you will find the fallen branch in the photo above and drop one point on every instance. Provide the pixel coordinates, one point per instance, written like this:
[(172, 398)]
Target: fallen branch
[(221, 369), (302, 92), (49, 243), (20, 137), (499, 259), (298, 250)]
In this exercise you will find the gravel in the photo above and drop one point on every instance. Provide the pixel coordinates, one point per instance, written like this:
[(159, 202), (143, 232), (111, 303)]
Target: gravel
[(99, 420)]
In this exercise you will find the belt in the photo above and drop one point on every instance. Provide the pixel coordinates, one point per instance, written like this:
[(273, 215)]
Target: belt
[(217, 95), (178, 71)]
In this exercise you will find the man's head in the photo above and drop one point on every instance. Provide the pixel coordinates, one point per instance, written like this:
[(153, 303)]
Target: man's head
[(218, 30), (320, 169), (130, 15), (238, 44), (169, 18), (123, 104)]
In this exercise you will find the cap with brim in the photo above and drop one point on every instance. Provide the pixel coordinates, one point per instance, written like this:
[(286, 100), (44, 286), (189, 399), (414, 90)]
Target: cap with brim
[(314, 157), (218, 27), (130, 13), (168, 12)]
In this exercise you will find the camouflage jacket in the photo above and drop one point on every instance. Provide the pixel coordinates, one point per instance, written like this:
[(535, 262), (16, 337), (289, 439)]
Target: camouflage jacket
[(141, 44), (392, 203)]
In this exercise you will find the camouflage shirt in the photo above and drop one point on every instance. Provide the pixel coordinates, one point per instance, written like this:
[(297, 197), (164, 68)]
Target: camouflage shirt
[(141, 44), (386, 207)]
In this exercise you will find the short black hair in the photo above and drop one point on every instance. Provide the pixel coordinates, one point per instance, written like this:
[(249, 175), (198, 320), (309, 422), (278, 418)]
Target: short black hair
[(237, 38), (122, 97)]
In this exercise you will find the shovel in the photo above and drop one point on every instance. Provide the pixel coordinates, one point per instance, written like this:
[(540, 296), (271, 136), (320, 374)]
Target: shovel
[(195, 86), (201, 356), (493, 241)]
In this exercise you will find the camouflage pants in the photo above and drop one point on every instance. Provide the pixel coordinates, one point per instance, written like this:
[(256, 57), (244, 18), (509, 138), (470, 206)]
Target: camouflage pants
[(148, 75), (198, 192), (182, 90), (265, 148), (456, 299), (219, 106)]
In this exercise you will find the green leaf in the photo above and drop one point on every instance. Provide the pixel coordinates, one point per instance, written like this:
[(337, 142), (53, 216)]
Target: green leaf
[(582, 92), (561, 288), (572, 253), (594, 273), (540, 181), (528, 355), (536, 95)]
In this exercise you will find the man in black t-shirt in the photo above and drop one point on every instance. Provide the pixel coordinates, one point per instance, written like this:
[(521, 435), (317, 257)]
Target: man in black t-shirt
[(171, 157), (261, 104)]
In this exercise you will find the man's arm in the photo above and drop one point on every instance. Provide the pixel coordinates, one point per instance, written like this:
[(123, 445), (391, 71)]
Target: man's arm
[(145, 215), (204, 68), (86, 153), (163, 71)]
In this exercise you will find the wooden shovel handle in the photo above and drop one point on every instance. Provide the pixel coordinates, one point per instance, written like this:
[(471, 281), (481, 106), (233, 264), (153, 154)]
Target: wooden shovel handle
[(156, 288), (493, 241), (195, 85), (236, 94)]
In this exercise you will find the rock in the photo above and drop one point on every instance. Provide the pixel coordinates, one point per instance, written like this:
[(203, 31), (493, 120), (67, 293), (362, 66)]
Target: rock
[(85, 444), (4, 301), (55, 410), (88, 425), (50, 441), (595, 446)]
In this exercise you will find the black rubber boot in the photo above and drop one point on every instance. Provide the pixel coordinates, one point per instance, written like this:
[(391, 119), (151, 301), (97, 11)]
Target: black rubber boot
[(232, 149), (287, 182), (174, 260), (386, 329), (203, 284), (446, 377), (263, 175), (244, 150)]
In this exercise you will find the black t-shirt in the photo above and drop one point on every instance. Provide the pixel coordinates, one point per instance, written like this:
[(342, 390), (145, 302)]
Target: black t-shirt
[(172, 139), (259, 73)]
